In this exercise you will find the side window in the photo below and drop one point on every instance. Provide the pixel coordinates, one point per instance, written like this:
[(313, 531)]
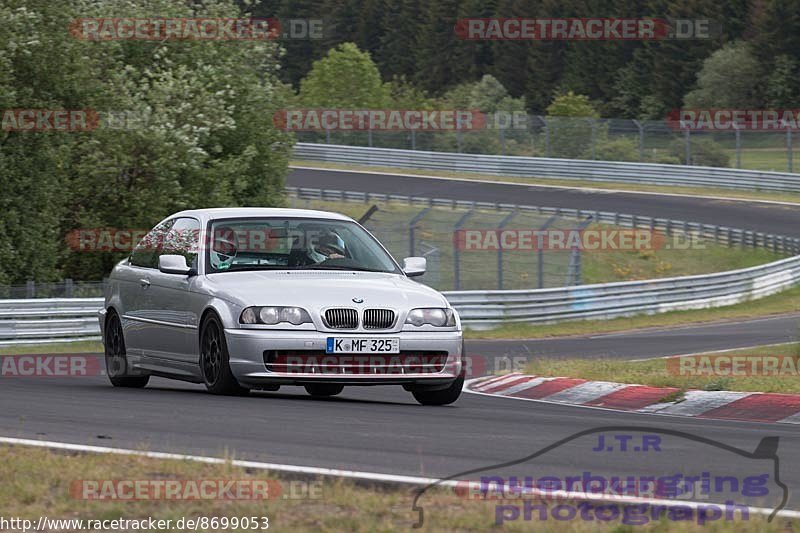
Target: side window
[(146, 252), (183, 239)]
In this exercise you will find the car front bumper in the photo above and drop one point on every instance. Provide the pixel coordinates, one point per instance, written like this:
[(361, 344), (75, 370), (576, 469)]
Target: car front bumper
[(247, 348)]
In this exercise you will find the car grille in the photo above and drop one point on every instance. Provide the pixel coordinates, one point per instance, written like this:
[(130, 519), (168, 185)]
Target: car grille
[(378, 318), (341, 318), (319, 362)]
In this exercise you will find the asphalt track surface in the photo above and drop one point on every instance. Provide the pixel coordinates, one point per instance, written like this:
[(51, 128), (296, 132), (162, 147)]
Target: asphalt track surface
[(382, 429), (757, 216)]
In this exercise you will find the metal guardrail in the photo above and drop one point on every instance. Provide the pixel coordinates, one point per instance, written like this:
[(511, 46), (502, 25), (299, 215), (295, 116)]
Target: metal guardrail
[(32, 321), (566, 169), (711, 232), (41, 320), (481, 309)]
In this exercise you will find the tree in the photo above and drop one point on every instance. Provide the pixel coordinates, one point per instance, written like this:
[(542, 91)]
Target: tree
[(346, 77), (729, 79), (783, 84), (194, 129), (571, 119)]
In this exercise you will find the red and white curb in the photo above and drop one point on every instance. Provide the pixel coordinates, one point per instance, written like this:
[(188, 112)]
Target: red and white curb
[(722, 405)]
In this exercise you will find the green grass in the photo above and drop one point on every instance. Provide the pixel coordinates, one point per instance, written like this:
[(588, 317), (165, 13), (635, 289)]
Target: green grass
[(772, 159), (533, 180), (785, 302), (478, 269), (66, 347), (655, 372), (37, 483), (607, 266)]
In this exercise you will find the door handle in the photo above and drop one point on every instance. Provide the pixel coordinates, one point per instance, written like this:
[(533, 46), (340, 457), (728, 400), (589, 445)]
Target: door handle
[(144, 282)]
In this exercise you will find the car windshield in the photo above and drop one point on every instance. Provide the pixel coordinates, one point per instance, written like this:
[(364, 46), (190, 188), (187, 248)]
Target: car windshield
[(294, 244)]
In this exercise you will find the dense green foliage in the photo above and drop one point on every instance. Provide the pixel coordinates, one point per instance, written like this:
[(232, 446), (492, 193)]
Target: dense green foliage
[(633, 79), (198, 130)]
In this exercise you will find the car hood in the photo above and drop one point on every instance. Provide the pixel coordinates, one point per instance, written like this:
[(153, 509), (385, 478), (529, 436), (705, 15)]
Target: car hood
[(320, 289)]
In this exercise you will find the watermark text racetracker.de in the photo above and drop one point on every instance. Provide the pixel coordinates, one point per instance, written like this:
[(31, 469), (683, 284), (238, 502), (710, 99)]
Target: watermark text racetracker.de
[(180, 490), (195, 29), (49, 366), (582, 29), (116, 525), (734, 365), (728, 119), (590, 240)]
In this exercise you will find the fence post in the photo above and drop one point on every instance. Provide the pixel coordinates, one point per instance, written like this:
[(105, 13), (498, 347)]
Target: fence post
[(457, 251), (30, 289), (540, 252), (546, 137), (738, 145), (413, 139), (594, 138), (688, 137), (412, 226), (68, 288), (327, 135), (641, 140), (502, 140), (458, 136), (789, 148), (500, 227), (369, 137), (575, 270)]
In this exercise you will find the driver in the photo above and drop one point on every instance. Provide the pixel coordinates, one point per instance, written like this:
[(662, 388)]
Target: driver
[(328, 246), (223, 248)]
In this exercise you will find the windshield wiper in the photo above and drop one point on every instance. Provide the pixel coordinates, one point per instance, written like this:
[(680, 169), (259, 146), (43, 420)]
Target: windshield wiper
[(341, 267)]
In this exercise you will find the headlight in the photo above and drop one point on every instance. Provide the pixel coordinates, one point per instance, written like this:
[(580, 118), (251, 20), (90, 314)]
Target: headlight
[(432, 316), (274, 315)]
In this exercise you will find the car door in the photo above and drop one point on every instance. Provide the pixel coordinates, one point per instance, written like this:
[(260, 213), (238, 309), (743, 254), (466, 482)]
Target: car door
[(172, 317), (135, 282)]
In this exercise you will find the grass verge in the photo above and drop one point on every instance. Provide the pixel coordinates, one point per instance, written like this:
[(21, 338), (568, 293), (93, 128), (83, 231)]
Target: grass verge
[(38, 484), (692, 191), (65, 347), (656, 372)]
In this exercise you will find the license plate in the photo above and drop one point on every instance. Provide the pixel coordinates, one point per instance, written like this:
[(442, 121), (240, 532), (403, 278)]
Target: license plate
[(363, 345)]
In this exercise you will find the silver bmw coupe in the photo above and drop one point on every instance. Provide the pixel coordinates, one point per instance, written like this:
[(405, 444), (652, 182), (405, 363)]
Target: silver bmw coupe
[(256, 298)]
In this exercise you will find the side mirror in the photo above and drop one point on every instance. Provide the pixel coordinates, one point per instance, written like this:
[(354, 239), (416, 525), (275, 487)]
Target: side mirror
[(173, 264), (414, 266)]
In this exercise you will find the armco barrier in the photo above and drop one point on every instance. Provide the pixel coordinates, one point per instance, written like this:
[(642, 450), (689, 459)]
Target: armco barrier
[(32, 321), (540, 167), (38, 320), (481, 309)]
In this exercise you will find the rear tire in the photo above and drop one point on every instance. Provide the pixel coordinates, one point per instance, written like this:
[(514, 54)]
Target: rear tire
[(215, 360), (116, 357), (443, 396), (323, 390)]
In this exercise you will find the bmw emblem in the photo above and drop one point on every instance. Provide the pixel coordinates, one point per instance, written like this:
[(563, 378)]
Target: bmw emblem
[(358, 300)]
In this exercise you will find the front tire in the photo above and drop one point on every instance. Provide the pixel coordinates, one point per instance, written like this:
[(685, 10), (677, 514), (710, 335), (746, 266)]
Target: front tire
[(116, 357), (215, 360), (323, 390), (442, 396)]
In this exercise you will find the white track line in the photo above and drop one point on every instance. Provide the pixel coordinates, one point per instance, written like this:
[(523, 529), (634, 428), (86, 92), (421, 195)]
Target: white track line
[(371, 476), (697, 402), (586, 392), (256, 465), (793, 419), (508, 378), (535, 382), (566, 187)]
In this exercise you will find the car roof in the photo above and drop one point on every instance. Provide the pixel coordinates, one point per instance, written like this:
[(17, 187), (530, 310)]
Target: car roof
[(248, 212)]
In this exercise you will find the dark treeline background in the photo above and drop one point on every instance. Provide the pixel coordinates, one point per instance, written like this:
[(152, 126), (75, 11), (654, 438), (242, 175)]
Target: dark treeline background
[(629, 79)]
